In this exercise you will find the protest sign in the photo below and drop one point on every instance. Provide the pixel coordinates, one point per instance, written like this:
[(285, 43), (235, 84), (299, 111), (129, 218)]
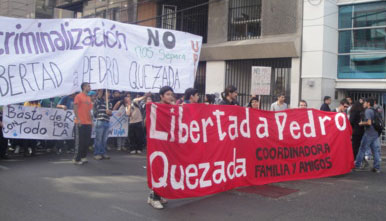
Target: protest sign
[(261, 80), (43, 58), (198, 149), (51, 124), (119, 124)]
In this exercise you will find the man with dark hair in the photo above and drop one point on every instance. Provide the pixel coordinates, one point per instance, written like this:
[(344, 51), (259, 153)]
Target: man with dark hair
[(191, 96), (302, 104), (166, 94), (83, 124), (279, 105), (343, 105), (116, 97), (326, 102), (102, 113), (370, 137), (229, 96)]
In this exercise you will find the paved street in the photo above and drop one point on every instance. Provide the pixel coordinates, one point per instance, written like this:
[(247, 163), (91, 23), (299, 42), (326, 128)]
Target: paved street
[(50, 187)]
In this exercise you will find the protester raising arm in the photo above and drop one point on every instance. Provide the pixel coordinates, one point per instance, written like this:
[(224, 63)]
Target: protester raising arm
[(117, 105), (138, 99)]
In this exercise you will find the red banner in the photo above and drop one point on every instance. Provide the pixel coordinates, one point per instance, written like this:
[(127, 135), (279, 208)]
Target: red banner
[(198, 149)]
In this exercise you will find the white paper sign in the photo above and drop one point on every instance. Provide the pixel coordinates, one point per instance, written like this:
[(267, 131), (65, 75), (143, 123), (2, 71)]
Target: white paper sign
[(43, 58), (21, 122), (261, 80)]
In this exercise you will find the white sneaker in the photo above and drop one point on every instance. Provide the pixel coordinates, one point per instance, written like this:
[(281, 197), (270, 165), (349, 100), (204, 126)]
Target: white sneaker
[(77, 162), (139, 152), (132, 152), (17, 150), (156, 204), (163, 201), (84, 160), (98, 157), (119, 149)]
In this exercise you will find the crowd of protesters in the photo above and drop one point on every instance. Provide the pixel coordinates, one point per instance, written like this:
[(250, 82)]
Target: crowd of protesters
[(365, 139), (89, 108), (97, 106)]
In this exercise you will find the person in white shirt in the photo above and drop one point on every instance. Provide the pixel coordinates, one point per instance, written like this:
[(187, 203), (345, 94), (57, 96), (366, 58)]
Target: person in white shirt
[(279, 105)]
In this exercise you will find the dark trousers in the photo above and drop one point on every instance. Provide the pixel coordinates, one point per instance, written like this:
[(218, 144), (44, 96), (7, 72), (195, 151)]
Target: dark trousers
[(3, 144), (136, 136), (82, 140), (29, 143), (356, 143)]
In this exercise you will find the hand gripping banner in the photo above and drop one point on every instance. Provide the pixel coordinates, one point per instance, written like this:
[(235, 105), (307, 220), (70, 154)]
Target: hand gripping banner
[(198, 149)]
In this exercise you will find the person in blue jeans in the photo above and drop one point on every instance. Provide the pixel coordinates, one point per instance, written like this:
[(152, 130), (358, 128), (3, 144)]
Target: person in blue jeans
[(102, 113), (370, 137)]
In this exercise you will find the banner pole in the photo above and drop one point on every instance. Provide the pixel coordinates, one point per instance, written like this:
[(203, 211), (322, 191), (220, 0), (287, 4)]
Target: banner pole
[(107, 100)]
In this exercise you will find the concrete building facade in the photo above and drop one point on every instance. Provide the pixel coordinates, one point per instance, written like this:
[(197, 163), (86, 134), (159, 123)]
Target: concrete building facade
[(278, 45), (312, 49), (27, 8), (344, 50)]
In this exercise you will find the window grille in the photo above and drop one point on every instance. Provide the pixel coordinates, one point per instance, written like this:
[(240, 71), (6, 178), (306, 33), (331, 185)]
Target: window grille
[(244, 19)]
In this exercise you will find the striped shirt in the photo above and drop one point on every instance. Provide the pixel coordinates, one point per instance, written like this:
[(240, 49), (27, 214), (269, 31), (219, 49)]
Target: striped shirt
[(100, 109)]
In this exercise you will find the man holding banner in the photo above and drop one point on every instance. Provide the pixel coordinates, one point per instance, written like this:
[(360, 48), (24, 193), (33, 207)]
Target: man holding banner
[(83, 124), (167, 95), (102, 113)]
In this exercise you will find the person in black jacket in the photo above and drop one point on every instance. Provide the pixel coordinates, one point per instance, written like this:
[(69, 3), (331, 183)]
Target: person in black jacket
[(356, 115), (327, 101), (229, 96)]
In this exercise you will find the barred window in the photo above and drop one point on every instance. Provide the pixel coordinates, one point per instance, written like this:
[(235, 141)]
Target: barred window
[(244, 19), (189, 16)]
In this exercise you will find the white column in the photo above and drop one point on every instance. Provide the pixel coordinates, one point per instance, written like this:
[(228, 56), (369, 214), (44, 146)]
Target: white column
[(295, 77), (215, 77), (320, 51)]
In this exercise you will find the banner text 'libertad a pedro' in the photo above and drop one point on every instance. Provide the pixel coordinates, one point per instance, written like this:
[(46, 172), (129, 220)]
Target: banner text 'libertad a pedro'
[(199, 149)]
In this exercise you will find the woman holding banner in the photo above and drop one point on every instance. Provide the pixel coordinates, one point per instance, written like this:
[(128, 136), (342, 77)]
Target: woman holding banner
[(136, 129)]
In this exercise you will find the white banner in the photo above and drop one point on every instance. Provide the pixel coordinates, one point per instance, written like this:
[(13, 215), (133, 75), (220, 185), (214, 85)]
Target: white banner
[(43, 58), (21, 122), (261, 80)]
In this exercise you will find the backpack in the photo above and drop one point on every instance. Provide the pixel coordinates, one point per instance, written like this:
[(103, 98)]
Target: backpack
[(378, 123)]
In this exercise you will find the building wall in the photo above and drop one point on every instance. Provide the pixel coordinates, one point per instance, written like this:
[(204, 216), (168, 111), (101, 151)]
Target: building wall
[(17, 8), (281, 33), (279, 17), (62, 13), (320, 55), (145, 11), (218, 22), (280, 38)]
